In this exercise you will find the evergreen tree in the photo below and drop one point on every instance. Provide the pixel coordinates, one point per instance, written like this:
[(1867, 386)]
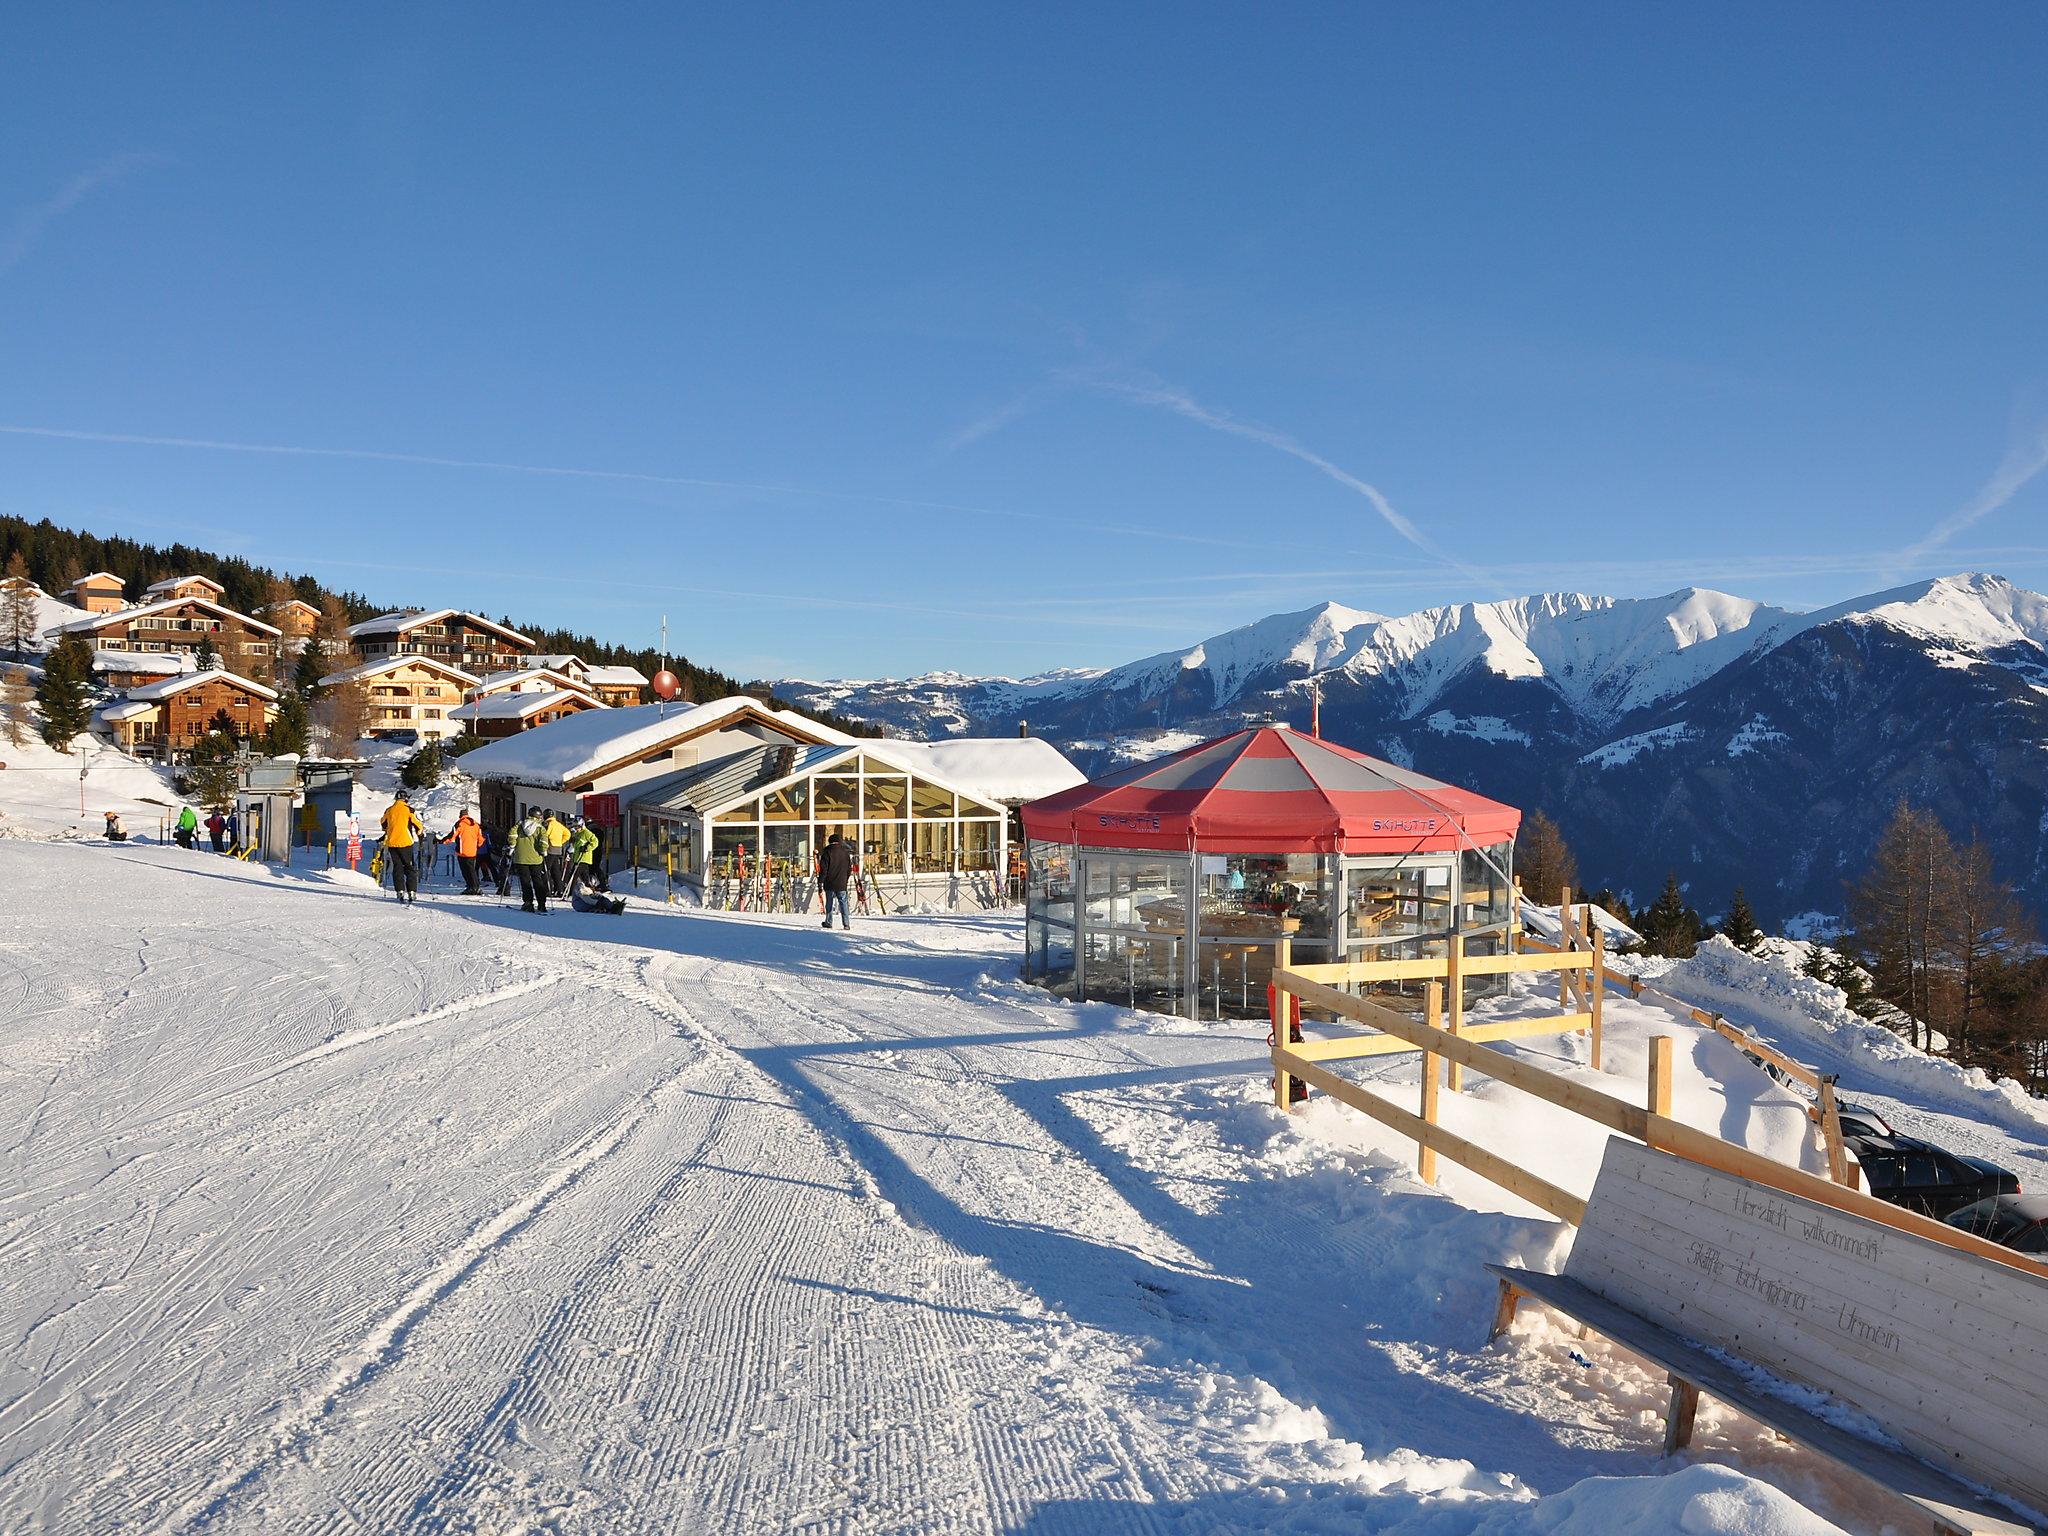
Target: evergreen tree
[(15, 697), (208, 654), (423, 769), (1739, 926), (211, 775), (20, 618), (1614, 903), (1544, 860), (64, 697), (308, 670), (291, 730), (1670, 927)]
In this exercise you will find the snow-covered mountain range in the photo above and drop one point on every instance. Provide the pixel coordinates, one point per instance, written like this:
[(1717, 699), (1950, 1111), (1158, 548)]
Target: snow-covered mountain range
[(1728, 739)]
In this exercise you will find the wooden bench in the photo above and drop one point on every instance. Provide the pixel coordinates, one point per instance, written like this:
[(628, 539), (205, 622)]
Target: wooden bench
[(1750, 1295)]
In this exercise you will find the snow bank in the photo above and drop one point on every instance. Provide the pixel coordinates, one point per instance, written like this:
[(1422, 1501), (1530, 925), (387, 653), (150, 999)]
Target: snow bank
[(1701, 1500)]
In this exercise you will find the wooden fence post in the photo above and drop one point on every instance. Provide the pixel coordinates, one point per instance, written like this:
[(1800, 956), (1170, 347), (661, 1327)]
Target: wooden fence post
[(1283, 1013), (1454, 990), (1565, 946), (1515, 918), (1831, 1131), (1596, 991), (1660, 1075), (1425, 1155)]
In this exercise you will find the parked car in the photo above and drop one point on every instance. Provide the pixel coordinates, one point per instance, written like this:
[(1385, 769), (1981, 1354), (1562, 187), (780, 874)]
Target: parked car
[(1922, 1177), (2018, 1221), (1861, 1120)]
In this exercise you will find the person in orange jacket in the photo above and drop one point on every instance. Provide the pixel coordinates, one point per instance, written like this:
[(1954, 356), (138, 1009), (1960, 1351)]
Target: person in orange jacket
[(468, 839), (402, 832)]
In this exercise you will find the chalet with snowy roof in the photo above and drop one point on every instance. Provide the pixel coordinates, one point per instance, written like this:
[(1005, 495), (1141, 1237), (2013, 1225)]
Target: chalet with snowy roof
[(508, 712), (120, 671), (529, 680), (165, 719), (618, 686), (466, 640), (408, 693), (183, 586), (101, 592), (295, 619), (178, 624)]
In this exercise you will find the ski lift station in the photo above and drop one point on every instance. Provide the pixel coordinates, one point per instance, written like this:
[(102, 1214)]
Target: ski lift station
[(1168, 886)]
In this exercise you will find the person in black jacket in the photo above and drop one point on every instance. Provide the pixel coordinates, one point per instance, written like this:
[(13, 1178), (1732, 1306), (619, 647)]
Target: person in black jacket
[(835, 874)]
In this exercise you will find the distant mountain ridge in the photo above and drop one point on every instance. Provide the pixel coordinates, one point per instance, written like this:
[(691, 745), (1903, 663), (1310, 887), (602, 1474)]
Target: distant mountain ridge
[(1733, 741)]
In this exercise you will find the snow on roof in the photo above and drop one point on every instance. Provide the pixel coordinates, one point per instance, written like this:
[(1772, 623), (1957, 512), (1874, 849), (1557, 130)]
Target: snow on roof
[(1009, 769), (179, 684), (517, 706), (99, 576), (167, 663), (555, 661), (585, 744), (399, 623), (94, 621), (128, 709), (617, 677), (292, 602), (172, 583), (523, 677), (385, 664)]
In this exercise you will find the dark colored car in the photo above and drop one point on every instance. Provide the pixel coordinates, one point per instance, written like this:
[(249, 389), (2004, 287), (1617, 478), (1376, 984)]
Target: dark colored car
[(1859, 1120), (2018, 1221), (1922, 1177)]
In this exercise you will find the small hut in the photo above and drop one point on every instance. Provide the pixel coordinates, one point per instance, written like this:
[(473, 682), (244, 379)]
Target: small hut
[(1168, 885)]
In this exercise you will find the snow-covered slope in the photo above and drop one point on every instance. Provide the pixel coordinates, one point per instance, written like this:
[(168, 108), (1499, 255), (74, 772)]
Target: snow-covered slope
[(329, 1214)]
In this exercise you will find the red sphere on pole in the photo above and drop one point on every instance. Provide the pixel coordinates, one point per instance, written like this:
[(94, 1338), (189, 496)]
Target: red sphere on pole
[(666, 685)]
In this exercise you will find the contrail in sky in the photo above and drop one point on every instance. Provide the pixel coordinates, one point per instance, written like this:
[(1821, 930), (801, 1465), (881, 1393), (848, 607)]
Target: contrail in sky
[(30, 225), (1165, 397), (2022, 462)]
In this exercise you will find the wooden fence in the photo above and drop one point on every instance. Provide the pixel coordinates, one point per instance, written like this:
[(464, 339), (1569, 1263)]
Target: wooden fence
[(1444, 1043)]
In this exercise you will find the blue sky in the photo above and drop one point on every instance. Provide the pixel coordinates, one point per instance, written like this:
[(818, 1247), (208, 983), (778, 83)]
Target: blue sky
[(863, 340)]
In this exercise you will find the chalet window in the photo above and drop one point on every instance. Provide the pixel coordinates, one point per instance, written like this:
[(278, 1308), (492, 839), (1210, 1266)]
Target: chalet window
[(241, 701)]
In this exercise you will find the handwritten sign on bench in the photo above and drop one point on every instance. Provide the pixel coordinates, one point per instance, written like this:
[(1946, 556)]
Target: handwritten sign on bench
[(1947, 1352)]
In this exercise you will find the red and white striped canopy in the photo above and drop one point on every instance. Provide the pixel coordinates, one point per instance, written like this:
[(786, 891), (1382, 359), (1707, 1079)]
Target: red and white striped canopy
[(1271, 790)]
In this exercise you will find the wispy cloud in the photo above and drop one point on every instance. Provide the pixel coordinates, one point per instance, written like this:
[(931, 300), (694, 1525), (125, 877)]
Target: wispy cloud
[(30, 225), (2025, 459), (1163, 396)]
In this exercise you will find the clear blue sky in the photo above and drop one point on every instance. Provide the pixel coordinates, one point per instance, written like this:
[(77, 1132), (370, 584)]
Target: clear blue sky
[(1007, 338)]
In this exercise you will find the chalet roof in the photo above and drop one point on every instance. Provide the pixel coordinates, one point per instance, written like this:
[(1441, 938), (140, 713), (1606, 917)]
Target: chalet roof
[(295, 602), (517, 678), (118, 581), (399, 623), (94, 621), (1008, 769), (170, 583), (711, 787), (517, 706), (555, 661), (588, 745), (168, 663), (616, 677), (170, 685), (383, 664)]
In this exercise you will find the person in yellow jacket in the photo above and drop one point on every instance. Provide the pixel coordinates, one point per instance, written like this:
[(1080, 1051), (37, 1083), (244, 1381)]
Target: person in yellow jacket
[(529, 861), (558, 854), (402, 832), (468, 839)]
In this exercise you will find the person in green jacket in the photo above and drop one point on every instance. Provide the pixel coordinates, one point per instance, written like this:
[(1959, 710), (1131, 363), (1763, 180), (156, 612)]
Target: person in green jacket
[(582, 855), (187, 828), (529, 862)]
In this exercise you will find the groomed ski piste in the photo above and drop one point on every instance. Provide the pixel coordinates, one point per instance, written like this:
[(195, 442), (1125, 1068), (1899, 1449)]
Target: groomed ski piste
[(322, 1214)]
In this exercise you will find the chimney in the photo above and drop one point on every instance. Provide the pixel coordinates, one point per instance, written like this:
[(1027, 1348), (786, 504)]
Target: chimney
[(1023, 727)]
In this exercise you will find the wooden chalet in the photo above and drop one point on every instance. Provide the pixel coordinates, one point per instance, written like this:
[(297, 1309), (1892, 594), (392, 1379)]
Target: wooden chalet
[(469, 641), (177, 624), (166, 718), (101, 592)]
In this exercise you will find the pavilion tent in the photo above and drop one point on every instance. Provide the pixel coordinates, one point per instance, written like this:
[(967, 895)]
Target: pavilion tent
[(1266, 788)]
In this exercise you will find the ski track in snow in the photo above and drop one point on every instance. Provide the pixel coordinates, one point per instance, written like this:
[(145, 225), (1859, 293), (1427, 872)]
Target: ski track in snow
[(318, 1214)]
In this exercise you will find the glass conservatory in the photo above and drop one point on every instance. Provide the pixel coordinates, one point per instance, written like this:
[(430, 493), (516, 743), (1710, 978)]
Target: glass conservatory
[(1169, 886), (760, 815)]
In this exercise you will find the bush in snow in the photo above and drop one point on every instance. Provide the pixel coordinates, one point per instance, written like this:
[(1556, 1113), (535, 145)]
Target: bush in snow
[(423, 769)]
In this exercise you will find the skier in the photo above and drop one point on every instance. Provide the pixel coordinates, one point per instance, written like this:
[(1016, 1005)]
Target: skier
[(185, 833), (496, 866), (835, 874), (582, 853), (234, 829), (402, 832), (468, 839), (216, 827), (588, 898), (529, 862), (116, 833), (557, 854)]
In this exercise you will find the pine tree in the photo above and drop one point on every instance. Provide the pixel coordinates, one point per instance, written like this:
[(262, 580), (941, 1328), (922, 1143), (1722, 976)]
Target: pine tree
[(20, 618), (311, 666), (64, 697), (207, 657), (211, 775), (1544, 860), (291, 729), (15, 698), (1670, 927), (423, 769), (1739, 926)]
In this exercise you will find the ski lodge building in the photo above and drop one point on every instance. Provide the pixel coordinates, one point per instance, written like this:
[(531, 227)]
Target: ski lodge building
[(1169, 885), (178, 623), (699, 792), (408, 693), (165, 719), (616, 686), (101, 592), (465, 640)]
